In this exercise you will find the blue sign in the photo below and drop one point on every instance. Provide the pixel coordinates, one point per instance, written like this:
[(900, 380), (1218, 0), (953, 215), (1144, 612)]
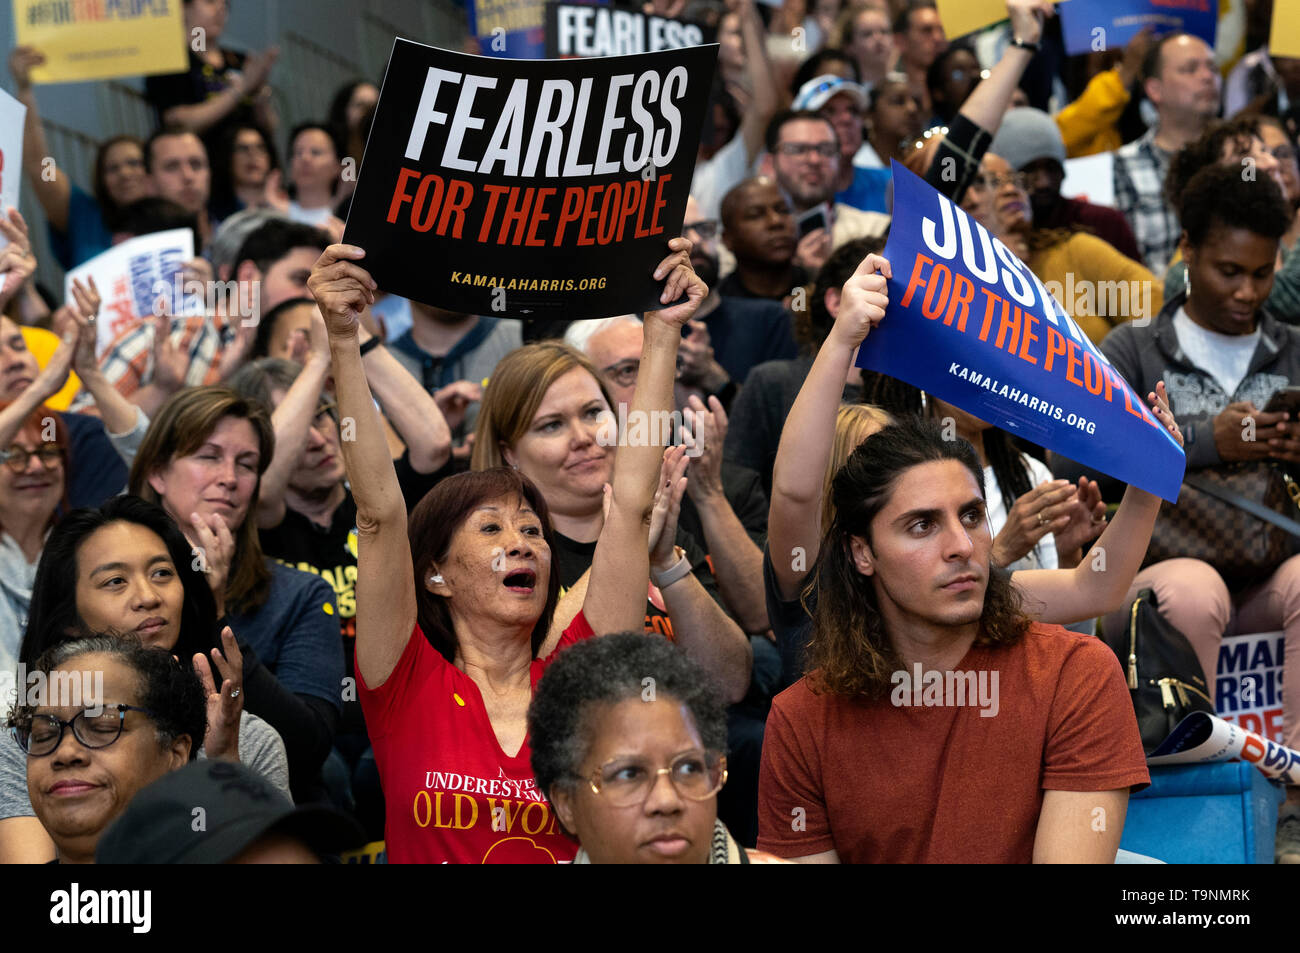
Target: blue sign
[(508, 29), (1094, 25), (969, 323)]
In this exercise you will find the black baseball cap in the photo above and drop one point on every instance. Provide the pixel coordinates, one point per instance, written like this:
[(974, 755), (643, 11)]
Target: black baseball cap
[(163, 823)]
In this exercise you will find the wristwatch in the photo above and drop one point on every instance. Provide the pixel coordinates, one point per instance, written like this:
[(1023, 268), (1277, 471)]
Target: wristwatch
[(673, 573), (1026, 45), (370, 345)]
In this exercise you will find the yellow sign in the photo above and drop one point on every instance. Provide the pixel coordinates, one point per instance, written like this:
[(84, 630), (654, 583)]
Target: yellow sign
[(102, 39), (960, 17), (1284, 35)]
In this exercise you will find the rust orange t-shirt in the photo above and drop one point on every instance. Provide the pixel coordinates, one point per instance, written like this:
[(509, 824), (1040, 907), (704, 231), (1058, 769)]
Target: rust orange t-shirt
[(881, 782)]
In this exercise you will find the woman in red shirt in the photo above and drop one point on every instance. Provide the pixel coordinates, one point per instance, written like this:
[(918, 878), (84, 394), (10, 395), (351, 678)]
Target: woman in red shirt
[(450, 620)]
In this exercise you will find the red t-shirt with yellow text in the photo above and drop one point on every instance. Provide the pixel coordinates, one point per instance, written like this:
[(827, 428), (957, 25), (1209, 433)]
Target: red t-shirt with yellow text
[(452, 795), (881, 782)]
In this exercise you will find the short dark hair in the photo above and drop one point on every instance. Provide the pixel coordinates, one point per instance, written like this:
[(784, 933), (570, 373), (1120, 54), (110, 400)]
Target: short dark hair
[(837, 269), (53, 617), (154, 214), (169, 688), (433, 525), (903, 22), (934, 74), (1219, 196), (270, 242), (1206, 150), (223, 185), (605, 671), (266, 324), (728, 207), (1153, 62), (779, 121), (167, 132), (815, 66), (850, 650), (325, 127)]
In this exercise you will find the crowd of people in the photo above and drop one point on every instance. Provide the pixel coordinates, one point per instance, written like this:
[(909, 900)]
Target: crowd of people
[(372, 579)]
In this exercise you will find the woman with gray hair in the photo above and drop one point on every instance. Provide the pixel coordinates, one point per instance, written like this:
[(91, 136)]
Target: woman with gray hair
[(109, 717), (609, 717)]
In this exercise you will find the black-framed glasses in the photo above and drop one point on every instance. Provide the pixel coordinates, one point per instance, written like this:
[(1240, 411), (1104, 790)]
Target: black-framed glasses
[(624, 782), (16, 457), (624, 372), (705, 228), (987, 180), (94, 728), (825, 150)]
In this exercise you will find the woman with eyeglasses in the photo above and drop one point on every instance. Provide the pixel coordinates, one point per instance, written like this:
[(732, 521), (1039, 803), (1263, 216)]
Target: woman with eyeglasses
[(548, 415), (203, 460), (126, 569), (33, 484), (1074, 265), (1282, 147), (86, 760), (242, 168), (629, 746)]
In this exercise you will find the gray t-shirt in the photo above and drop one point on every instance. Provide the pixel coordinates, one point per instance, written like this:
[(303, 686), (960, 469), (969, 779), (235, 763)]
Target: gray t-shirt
[(260, 748)]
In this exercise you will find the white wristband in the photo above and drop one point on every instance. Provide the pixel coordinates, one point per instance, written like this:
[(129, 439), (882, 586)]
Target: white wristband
[(673, 573)]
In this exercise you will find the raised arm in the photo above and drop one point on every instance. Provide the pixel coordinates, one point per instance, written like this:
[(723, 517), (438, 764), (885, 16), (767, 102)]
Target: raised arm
[(794, 519), (47, 383), (1101, 580), (620, 568), (200, 117), (762, 82), (410, 408), (52, 191), (989, 101), (292, 420), (120, 416), (386, 606)]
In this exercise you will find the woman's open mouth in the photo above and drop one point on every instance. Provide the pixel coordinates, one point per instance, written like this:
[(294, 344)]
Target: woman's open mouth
[(521, 580)]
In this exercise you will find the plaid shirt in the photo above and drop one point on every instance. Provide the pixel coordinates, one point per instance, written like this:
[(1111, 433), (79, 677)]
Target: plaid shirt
[(128, 361), (1140, 169)]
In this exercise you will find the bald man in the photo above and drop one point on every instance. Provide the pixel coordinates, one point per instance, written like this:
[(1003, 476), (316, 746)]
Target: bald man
[(758, 228)]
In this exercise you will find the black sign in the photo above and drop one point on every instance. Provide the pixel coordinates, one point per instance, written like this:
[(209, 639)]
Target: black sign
[(576, 29), (529, 188)]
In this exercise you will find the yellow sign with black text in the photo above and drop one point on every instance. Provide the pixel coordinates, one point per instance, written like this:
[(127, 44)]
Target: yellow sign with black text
[(103, 39)]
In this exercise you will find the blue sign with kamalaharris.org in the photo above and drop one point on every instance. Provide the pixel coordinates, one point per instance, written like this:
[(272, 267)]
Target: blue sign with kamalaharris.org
[(969, 323)]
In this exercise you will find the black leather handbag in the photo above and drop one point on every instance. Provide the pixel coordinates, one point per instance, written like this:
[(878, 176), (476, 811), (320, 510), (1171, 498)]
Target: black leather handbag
[(1164, 676)]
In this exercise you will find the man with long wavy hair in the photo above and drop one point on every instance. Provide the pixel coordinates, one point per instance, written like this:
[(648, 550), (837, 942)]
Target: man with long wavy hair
[(938, 722)]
